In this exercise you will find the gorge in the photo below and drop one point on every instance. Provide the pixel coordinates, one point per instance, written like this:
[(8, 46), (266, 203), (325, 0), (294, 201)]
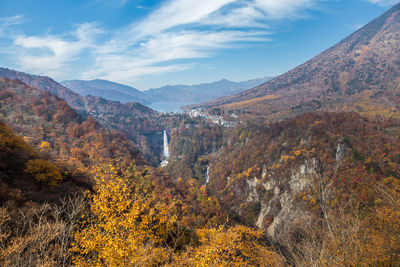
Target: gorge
[(298, 170)]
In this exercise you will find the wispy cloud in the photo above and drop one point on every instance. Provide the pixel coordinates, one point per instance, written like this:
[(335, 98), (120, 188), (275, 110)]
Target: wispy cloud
[(108, 3), (158, 54), (7, 22), (142, 7), (383, 2), (51, 55), (168, 39)]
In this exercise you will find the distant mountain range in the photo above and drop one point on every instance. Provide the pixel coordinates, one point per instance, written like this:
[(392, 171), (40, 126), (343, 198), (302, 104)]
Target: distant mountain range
[(200, 92), (170, 93), (360, 73), (106, 89)]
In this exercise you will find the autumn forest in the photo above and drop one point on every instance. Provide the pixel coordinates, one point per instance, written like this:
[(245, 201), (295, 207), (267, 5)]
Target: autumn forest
[(302, 170)]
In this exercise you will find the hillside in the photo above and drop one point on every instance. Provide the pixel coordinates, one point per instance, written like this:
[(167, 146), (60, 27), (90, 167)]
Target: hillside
[(286, 177), (106, 89), (200, 92), (142, 125), (43, 205), (25, 174), (47, 123), (360, 73)]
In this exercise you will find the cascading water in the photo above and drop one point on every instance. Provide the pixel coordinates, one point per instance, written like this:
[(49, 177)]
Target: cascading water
[(165, 155), (166, 149), (208, 174)]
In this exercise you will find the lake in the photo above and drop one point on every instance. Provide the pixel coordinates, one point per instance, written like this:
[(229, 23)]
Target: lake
[(169, 107)]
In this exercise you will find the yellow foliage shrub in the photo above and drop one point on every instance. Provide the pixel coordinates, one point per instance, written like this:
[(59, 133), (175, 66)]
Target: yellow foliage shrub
[(125, 227), (45, 146), (43, 171), (236, 246)]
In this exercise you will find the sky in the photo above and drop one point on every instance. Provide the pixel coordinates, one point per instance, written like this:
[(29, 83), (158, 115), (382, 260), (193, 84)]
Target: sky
[(149, 44)]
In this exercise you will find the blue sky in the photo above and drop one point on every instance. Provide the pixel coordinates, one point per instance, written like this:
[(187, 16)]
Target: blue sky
[(148, 43)]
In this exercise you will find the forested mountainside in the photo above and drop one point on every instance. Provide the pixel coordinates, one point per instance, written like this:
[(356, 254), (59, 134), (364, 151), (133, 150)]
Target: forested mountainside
[(26, 174), (43, 212), (106, 89), (141, 124), (312, 182), (269, 174), (50, 125), (192, 143), (360, 73), (29, 225)]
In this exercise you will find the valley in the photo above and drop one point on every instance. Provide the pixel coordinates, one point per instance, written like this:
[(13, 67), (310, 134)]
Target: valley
[(298, 170)]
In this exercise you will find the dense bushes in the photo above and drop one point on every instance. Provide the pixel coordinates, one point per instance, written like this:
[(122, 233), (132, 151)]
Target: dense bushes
[(43, 171)]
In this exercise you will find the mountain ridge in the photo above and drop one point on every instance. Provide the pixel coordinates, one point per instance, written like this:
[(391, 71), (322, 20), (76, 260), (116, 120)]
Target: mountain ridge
[(141, 124), (200, 92), (168, 93), (106, 89), (365, 60)]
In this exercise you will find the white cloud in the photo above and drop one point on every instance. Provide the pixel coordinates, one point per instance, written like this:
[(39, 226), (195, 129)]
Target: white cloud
[(177, 13), (157, 54), (284, 8), (51, 55), (168, 39)]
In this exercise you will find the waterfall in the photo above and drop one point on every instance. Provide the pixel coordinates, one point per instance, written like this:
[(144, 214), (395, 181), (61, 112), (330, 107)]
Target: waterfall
[(166, 149), (208, 174), (165, 154)]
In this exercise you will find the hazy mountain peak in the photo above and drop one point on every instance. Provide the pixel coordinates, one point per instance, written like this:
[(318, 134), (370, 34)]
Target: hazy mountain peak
[(200, 92), (106, 89)]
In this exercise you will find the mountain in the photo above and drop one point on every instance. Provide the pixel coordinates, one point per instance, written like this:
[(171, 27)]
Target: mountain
[(141, 124), (200, 92), (309, 171), (361, 73), (170, 93), (75, 100), (106, 89), (47, 123)]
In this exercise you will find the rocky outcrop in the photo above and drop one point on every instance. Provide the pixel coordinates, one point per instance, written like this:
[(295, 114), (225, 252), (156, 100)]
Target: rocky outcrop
[(341, 151), (280, 209)]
